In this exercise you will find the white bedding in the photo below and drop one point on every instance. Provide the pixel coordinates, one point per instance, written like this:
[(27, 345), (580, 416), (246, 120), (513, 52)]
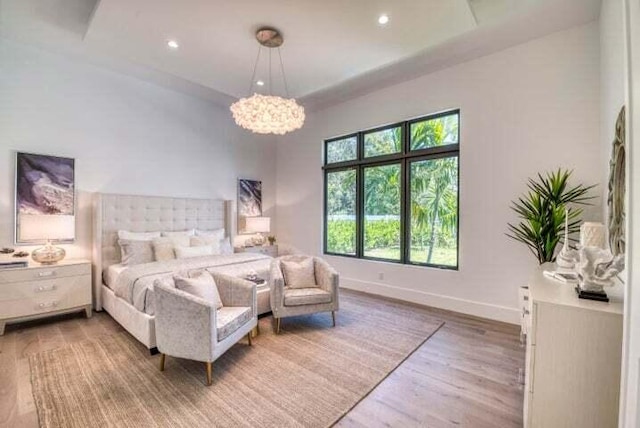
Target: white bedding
[(111, 274), (134, 284)]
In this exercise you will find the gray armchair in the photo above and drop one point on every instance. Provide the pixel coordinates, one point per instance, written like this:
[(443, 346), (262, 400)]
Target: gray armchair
[(288, 302), (190, 327)]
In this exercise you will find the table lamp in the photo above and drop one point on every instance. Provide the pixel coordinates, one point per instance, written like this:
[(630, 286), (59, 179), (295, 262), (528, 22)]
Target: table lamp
[(38, 227), (258, 225)]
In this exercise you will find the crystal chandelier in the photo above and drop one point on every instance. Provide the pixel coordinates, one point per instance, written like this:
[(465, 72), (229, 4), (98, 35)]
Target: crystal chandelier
[(268, 114)]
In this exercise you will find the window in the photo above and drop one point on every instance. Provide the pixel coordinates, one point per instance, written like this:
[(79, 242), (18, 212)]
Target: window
[(391, 193)]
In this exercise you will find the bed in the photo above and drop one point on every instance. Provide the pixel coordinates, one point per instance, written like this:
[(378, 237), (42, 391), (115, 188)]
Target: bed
[(126, 292)]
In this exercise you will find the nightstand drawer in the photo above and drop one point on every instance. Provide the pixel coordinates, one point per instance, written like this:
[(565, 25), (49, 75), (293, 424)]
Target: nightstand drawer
[(28, 298), (44, 272)]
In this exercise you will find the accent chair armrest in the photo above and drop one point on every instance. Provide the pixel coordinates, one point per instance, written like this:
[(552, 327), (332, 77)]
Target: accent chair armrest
[(327, 277), (185, 324), (276, 286), (235, 291)]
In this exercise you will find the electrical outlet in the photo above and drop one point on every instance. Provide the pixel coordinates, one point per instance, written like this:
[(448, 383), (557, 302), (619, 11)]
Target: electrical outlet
[(381, 276)]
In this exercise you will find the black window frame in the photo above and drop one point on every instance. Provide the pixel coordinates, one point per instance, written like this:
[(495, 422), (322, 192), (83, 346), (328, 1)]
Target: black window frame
[(404, 158)]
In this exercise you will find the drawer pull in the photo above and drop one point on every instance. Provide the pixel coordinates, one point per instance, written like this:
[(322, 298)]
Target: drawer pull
[(525, 298), (525, 312), (42, 288), (48, 305), (47, 273)]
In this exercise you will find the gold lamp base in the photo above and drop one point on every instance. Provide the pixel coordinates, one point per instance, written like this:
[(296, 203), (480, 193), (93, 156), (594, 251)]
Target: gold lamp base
[(48, 254)]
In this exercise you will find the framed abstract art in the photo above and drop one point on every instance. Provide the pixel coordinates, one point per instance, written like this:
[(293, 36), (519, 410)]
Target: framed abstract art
[(45, 202), (249, 201)]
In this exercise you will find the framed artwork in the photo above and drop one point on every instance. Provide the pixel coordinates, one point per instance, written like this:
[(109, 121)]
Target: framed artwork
[(45, 194), (616, 196), (249, 201)]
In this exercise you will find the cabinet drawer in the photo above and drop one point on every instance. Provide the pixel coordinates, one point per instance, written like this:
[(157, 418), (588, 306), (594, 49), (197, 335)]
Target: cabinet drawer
[(44, 272), (30, 298)]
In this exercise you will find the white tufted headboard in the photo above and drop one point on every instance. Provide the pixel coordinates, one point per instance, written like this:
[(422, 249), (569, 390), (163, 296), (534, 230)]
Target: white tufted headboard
[(112, 212)]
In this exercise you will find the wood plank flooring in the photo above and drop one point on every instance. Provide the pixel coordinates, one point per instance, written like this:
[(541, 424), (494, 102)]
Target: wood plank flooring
[(466, 375)]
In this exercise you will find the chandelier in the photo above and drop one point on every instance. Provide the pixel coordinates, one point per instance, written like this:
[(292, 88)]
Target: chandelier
[(268, 114)]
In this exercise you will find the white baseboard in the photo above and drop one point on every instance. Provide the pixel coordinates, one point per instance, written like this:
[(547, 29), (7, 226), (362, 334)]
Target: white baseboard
[(469, 307)]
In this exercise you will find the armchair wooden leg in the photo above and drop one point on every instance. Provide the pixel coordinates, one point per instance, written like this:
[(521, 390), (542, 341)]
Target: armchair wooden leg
[(162, 358), (209, 372), (277, 325), (333, 316), (249, 338)]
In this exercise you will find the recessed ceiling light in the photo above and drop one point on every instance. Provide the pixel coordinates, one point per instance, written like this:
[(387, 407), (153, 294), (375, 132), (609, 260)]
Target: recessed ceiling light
[(383, 19), (173, 44), (260, 83)]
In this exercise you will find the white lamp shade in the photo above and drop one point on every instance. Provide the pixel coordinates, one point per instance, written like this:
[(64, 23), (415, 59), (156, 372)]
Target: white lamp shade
[(40, 227), (258, 224)]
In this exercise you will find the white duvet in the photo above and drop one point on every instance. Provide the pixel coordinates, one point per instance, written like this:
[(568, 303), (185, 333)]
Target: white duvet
[(135, 283)]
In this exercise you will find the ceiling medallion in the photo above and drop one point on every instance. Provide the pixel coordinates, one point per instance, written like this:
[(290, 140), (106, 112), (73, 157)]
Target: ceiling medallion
[(268, 114)]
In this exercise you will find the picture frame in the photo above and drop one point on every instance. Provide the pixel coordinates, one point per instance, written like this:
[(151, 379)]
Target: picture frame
[(249, 201), (44, 186)]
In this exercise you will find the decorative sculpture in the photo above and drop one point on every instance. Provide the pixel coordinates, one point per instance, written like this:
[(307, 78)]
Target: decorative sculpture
[(597, 269)]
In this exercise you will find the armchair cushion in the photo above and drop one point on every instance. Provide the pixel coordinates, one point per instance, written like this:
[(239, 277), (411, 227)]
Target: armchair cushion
[(298, 272), (201, 285), (306, 296), (231, 318)]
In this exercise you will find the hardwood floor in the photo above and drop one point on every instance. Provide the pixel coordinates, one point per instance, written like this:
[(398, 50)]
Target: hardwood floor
[(466, 375)]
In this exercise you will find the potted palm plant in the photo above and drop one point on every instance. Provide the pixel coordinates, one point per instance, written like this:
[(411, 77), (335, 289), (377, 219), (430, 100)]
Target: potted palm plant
[(542, 212)]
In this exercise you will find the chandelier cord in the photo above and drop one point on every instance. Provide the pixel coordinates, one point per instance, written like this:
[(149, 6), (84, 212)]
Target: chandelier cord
[(284, 76), (255, 67), (270, 80)]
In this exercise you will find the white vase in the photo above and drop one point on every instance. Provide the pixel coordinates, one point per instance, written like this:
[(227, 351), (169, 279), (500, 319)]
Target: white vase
[(592, 234)]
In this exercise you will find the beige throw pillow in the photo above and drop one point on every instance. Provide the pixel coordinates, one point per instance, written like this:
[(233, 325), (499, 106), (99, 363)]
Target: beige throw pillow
[(163, 249), (298, 273), (135, 252), (203, 286)]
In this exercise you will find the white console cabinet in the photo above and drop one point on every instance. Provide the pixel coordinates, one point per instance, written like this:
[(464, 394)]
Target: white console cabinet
[(574, 346)]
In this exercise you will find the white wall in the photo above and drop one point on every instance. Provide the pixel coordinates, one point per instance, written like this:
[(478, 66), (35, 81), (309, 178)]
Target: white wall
[(127, 136), (533, 107), (612, 77)]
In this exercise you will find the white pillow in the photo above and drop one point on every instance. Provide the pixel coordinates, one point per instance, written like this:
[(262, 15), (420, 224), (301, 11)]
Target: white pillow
[(187, 252), (203, 285), (299, 272), (137, 236), (201, 241), (188, 232), (216, 233)]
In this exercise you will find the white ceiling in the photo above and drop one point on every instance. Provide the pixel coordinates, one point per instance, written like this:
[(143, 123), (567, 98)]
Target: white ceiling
[(332, 48)]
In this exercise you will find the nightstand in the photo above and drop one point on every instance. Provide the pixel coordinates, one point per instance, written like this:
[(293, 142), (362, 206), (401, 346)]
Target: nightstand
[(39, 291), (268, 250)]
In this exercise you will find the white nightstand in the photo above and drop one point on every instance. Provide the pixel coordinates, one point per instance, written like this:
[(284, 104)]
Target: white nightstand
[(269, 250), (44, 290)]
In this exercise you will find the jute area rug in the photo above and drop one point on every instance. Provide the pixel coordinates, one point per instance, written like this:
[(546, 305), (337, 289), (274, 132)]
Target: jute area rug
[(308, 376)]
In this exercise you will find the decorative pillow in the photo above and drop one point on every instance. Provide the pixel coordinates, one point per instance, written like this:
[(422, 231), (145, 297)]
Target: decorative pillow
[(163, 249), (201, 241), (179, 238), (135, 252), (298, 273), (216, 233), (187, 252), (137, 236), (203, 286)]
